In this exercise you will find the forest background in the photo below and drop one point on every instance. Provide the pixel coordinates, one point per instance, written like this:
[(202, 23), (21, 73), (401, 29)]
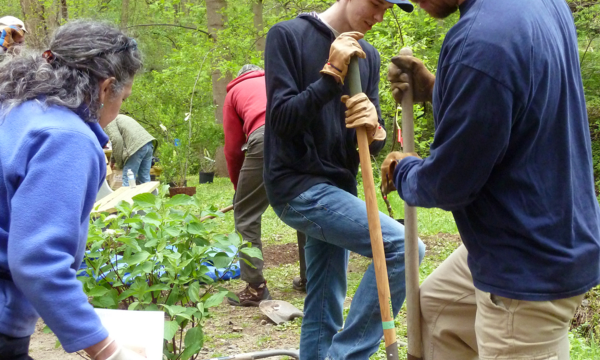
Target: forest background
[(193, 48)]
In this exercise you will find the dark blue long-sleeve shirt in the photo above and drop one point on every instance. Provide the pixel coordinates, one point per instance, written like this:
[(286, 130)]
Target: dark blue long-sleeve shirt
[(511, 156), (306, 139)]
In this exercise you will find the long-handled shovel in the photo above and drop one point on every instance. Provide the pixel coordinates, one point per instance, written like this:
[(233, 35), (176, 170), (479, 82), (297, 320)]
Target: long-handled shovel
[(411, 245), (383, 285)]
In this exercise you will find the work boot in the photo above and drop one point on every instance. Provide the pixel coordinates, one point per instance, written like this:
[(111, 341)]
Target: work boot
[(252, 295), (299, 284)]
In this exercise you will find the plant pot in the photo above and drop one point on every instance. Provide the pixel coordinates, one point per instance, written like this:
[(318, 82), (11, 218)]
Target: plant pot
[(174, 185), (206, 177), (187, 190)]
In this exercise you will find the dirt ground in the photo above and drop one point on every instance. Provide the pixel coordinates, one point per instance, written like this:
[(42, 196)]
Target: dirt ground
[(276, 255), (233, 330)]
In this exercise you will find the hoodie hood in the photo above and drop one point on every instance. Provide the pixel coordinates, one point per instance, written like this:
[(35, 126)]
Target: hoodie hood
[(246, 76), (317, 23)]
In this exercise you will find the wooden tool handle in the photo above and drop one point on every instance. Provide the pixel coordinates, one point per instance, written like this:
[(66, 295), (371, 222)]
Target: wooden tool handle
[(411, 240), (381, 275)]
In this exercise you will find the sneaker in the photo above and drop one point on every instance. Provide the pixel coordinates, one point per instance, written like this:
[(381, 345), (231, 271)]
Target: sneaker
[(252, 295), (299, 284)]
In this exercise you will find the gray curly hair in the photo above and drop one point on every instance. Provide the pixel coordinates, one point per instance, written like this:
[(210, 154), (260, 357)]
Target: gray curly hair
[(83, 53)]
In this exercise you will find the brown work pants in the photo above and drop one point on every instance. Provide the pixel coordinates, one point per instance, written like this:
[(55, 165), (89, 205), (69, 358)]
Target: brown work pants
[(250, 203), (460, 322)]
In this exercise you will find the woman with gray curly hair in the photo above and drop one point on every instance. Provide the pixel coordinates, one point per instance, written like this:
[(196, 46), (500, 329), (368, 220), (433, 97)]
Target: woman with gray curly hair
[(52, 108)]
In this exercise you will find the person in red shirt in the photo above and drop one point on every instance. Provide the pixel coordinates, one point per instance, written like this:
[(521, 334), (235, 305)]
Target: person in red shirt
[(243, 124)]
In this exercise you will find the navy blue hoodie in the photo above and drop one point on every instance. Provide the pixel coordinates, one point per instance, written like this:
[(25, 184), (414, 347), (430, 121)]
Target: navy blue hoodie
[(511, 157), (306, 139)]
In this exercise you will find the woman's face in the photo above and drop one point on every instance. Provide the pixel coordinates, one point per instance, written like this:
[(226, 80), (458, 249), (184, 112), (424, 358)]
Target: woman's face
[(112, 102)]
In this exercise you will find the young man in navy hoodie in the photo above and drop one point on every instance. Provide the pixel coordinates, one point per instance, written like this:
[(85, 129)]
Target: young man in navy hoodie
[(511, 159), (311, 164)]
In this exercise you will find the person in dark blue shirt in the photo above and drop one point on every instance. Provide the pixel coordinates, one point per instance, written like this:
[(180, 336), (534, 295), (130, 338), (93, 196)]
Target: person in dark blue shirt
[(311, 163), (511, 158)]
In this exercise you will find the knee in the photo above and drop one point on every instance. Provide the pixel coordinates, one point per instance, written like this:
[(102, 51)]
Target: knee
[(427, 299)]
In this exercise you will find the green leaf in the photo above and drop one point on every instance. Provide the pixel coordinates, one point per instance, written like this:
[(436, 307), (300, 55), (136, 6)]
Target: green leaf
[(252, 252), (152, 218), (47, 330), (248, 262), (173, 231), (174, 309), (171, 328), (233, 296), (124, 207), (161, 287), (173, 255), (137, 258), (180, 199), (146, 200), (133, 306), (132, 221), (127, 293), (194, 292), (184, 316), (151, 243), (196, 228), (235, 239), (221, 260), (97, 291), (194, 336), (147, 267), (103, 302), (194, 340), (215, 299)]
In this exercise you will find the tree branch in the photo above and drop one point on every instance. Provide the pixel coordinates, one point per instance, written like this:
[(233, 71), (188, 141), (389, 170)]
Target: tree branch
[(175, 25)]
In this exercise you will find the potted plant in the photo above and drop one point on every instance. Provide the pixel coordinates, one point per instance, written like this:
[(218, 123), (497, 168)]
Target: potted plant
[(207, 168)]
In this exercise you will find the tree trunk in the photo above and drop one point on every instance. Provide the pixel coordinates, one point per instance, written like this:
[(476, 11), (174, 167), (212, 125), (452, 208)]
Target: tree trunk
[(64, 10), (33, 15), (216, 22), (221, 163), (257, 9), (124, 13)]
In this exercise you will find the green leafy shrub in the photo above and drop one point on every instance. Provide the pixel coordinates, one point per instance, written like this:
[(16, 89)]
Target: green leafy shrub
[(152, 255)]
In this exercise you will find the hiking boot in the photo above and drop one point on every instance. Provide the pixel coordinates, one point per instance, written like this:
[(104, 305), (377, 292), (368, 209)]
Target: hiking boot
[(299, 284), (252, 295)]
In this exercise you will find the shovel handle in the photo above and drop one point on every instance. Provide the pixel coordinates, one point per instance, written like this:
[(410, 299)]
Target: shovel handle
[(381, 275), (411, 244), (223, 210)]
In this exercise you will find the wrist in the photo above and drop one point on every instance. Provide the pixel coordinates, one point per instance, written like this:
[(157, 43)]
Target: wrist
[(102, 350)]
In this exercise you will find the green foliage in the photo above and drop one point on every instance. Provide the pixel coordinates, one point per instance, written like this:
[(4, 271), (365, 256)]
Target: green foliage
[(583, 349), (164, 249)]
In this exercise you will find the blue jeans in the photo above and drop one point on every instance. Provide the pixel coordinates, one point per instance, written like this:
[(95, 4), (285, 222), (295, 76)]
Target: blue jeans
[(334, 222), (139, 163)]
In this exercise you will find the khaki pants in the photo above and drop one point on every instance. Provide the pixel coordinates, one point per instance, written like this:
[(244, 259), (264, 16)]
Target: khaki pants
[(460, 322)]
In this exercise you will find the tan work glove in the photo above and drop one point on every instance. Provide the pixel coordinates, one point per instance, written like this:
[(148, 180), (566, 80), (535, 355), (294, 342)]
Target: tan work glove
[(362, 112), (343, 48), (387, 170), (399, 71)]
